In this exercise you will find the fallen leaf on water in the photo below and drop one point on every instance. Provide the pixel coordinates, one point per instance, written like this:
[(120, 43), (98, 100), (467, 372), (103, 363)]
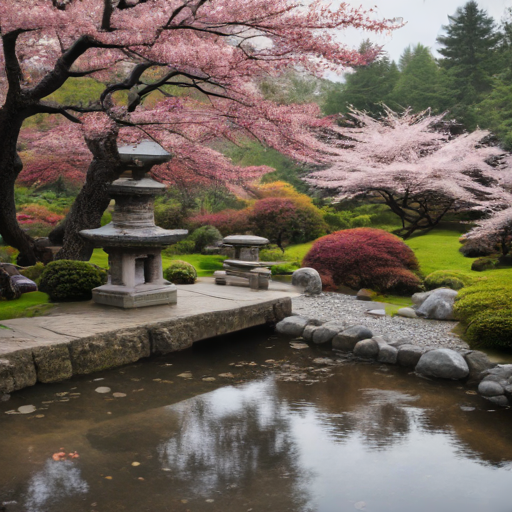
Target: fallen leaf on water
[(166, 469), (227, 375), (135, 380), (102, 389), (39, 415), (12, 411), (119, 395), (59, 456), (64, 393), (135, 463), (137, 390), (471, 393), (166, 382), (252, 363), (209, 379), (26, 409), (48, 402), (209, 500), (299, 346), (157, 380), (73, 455), (140, 478), (100, 378), (108, 478), (185, 375), (184, 501)]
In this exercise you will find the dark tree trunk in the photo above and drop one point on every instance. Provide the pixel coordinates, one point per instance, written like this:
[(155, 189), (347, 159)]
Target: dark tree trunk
[(92, 200), (10, 167)]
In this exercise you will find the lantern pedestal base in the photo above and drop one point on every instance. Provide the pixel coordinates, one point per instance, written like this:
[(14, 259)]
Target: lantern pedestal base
[(138, 297)]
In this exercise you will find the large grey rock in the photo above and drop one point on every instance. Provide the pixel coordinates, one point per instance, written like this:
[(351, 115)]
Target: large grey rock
[(407, 313), (502, 371), (326, 332), (478, 362), (308, 279), (438, 304), (23, 368), (292, 325), (500, 400), (347, 339), (490, 388), (6, 376), (366, 349), (165, 340), (409, 355), (387, 354), (419, 298), (307, 334), (443, 363)]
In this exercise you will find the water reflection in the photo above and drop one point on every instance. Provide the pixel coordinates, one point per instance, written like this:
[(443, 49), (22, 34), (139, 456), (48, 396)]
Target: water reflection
[(56, 481), (381, 440)]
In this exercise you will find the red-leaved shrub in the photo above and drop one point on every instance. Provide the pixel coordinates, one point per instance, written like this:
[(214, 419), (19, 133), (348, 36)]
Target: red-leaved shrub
[(228, 222), (365, 258)]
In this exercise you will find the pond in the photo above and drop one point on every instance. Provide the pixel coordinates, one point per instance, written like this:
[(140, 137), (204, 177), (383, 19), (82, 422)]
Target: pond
[(278, 430)]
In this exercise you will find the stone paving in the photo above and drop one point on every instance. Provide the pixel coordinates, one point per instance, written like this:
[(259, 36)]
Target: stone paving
[(79, 338)]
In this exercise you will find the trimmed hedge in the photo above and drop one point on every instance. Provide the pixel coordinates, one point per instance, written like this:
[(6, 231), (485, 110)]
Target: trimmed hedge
[(447, 279), (486, 309), (365, 258), (180, 272), (69, 280)]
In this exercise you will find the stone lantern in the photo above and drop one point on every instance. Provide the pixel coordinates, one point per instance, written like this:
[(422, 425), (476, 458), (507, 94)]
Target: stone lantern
[(132, 240)]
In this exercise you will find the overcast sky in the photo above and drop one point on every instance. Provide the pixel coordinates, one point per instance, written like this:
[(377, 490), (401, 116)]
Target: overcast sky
[(424, 20)]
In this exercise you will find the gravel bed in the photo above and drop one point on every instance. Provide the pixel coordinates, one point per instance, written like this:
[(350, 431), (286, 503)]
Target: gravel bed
[(418, 331)]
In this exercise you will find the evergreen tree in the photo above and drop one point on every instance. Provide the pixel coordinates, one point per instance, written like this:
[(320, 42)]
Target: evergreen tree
[(419, 86), (366, 88), (470, 58)]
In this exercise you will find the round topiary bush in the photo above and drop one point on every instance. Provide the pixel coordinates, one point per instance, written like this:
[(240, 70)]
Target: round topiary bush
[(205, 236), (491, 329), (483, 264), (180, 272), (365, 258), (69, 280), (447, 279)]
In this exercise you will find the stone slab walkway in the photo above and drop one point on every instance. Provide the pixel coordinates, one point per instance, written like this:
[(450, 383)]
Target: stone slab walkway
[(81, 338)]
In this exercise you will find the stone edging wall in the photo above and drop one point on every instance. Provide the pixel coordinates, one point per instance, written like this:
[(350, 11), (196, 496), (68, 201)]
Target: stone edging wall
[(60, 361), (472, 366)]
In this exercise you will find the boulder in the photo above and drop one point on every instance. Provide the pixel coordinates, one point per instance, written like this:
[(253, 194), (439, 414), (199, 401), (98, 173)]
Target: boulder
[(308, 279), (500, 400), (364, 294), (307, 334), (387, 354), (409, 355), (478, 362), (347, 339), (407, 313), (443, 363), (292, 325), (438, 304), (490, 388), (366, 349), (326, 332)]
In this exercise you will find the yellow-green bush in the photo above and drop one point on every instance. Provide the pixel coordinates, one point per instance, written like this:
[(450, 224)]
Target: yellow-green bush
[(180, 272), (486, 309), (447, 279)]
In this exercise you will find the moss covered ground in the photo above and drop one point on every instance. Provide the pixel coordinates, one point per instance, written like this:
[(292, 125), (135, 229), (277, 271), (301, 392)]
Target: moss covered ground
[(28, 305)]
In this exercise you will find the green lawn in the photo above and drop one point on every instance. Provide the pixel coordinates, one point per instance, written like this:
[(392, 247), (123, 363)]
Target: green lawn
[(28, 305)]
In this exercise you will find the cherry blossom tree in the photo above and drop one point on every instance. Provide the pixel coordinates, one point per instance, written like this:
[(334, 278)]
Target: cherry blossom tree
[(417, 166), (495, 230), (216, 48)]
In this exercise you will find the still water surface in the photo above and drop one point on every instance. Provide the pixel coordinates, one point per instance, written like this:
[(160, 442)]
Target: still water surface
[(365, 437)]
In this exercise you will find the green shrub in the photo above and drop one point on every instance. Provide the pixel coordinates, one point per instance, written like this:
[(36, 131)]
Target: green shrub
[(272, 253), (205, 236), (447, 279), (180, 272), (182, 247), (69, 280), (483, 264), (33, 273), (486, 309), (491, 329)]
